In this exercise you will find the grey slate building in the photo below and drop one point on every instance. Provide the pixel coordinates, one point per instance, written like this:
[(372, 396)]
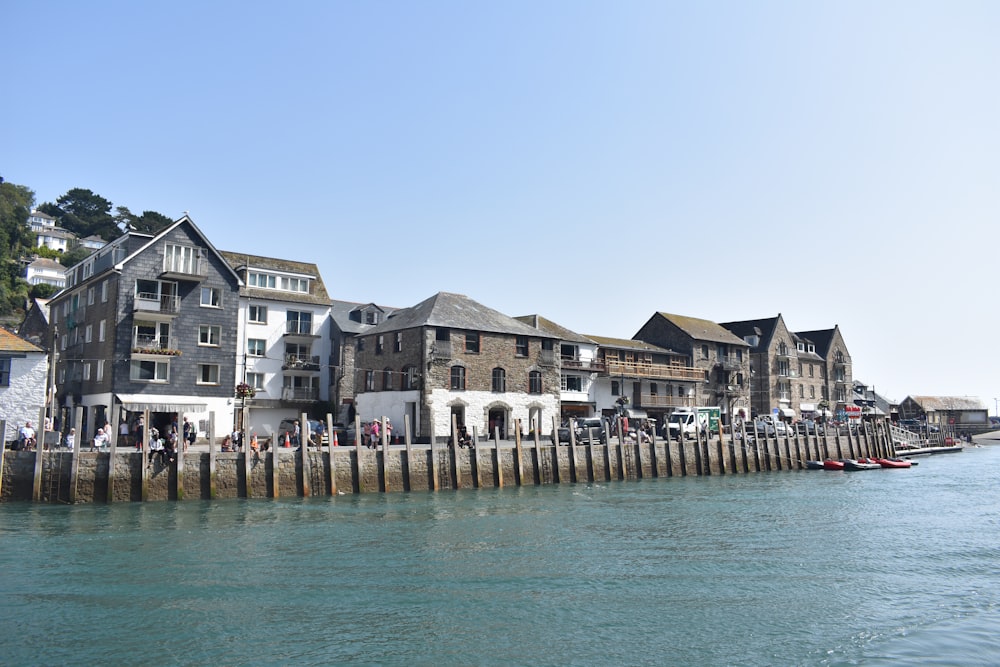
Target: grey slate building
[(149, 322), (348, 320)]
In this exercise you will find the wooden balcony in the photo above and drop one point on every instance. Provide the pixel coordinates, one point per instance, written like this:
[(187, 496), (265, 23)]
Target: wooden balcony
[(663, 401), (616, 367)]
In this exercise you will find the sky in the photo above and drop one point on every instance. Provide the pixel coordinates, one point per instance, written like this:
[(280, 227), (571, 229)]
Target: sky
[(590, 162)]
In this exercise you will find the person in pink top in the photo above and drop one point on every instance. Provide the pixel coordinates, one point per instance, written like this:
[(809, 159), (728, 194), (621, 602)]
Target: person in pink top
[(375, 434)]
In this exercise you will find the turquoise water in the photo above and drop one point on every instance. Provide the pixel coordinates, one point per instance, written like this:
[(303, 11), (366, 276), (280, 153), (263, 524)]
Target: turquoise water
[(783, 568)]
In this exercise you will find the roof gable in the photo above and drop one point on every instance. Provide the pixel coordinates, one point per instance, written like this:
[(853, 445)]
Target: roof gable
[(456, 311), (703, 330), (11, 342)]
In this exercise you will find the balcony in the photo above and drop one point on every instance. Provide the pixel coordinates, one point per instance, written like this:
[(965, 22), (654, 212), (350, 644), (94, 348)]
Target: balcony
[(441, 350), (586, 365), (302, 330), (149, 344), (635, 369), (163, 305), (299, 394), (297, 362), (663, 401), (729, 364), (191, 271)]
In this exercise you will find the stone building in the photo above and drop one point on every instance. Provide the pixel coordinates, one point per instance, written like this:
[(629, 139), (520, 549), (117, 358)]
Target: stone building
[(580, 370), (837, 379), (24, 372), (450, 356), (148, 322), (722, 358), (348, 320)]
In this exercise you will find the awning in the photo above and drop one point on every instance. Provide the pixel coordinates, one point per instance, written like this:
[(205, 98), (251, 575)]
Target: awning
[(161, 403), (635, 413), (807, 407), (787, 412)]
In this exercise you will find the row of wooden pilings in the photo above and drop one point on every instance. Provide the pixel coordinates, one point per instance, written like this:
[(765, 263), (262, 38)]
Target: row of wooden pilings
[(489, 463)]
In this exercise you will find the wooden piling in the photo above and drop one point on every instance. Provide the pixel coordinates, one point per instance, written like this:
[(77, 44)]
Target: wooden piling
[(409, 452), (358, 434), (520, 457)]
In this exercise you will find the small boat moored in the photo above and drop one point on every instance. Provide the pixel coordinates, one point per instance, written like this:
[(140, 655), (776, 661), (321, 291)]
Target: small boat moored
[(814, 465), (894, 463), (861, 464), (830, 464)]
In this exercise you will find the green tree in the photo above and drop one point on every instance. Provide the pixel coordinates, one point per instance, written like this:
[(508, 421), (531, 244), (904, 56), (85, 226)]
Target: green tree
[(42, 291), (75, 255), (15, 242), (84, 213), (150, 222)]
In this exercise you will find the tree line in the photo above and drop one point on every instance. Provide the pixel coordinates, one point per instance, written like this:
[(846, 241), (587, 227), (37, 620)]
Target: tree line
[(80, 211)]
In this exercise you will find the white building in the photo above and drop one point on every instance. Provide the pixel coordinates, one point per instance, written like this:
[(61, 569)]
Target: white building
[(284, 334), (45, 271), (24, 371), (47, 234)]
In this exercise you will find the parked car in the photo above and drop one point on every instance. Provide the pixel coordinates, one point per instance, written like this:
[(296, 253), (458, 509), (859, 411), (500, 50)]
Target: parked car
[(315, 426), (763, 428), (809, 427), (591, 426)]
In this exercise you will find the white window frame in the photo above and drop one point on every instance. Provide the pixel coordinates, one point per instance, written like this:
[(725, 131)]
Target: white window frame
[(161, 371), (256, 311), (213, 331), (214, 297), (256, 347), (88, 333), (180, 259), (100, 331), (100, 370), (201, 374), (256, 380)]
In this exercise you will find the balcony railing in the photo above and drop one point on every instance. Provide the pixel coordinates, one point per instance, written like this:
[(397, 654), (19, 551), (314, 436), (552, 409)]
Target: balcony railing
[(194, 269), (649, 370), (294, 328), (298, 362), (299, 394), (148, 302), (154, 344), (575, 364), (663, 401), (730, 364)]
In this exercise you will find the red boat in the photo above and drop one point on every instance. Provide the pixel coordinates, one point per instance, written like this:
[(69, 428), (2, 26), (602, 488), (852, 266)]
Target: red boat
[(894, 463), (830, 464)]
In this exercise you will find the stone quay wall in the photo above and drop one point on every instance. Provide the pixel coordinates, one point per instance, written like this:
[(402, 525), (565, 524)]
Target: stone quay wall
[(125, 476)]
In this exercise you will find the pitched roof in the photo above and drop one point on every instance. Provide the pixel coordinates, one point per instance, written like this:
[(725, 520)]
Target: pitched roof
[(340, 312), (762, 328), (630, 344), (946, 403), (11, 342), (163, 232), (456, 311), (242, 261), (548, 326), (699, 329), (42, 263), (822, 339)]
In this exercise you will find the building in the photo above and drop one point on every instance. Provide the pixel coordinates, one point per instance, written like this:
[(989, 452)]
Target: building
[(722, 358), (450, 357), (348, 320), (149, 322), (44, 271), (836, 372), (283, 341), (579, 369), (47, 234), (946, 412), (24, 378), (35, 326)]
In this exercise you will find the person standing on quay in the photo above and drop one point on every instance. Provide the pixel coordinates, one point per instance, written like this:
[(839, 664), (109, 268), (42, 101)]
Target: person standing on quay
[(375, 434)]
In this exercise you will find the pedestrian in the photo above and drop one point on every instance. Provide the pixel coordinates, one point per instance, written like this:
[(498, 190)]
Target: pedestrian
[(100, 440), (366, 438), (27, 436), (71, 439), (388, 431), (123, 433), (138, 431), (190, 434), (375, 434)]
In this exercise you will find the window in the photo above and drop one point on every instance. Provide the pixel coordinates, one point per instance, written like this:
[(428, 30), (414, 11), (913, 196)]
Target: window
[(472, 343), (361, 344), (399, 341), (298, 322), (150, 371), (379, 344), (90, 296), (86, 371), (104, 292), (616, 388), (535, 382), (704, 351), (371, 317), (812, 392), (572, 383), (100, 370), (410, 377), (499, 380), (386, 379), (739, 355), (294, 284), (811, 370), (569, 352), (458, 377), (209, 335), (258, 314), (256, 380), (180, 259), (88, 333), (208, 374), (370, 380), (100, 331), (653, 389), (522, 346), (802, 391), (4, 371), (264, 280), (256, 347), (211, 297)]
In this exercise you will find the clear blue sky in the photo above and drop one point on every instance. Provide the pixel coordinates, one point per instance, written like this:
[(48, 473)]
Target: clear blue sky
[(593, 162)]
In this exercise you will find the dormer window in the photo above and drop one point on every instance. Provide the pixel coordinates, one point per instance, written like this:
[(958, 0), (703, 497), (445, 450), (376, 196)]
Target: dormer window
[(371, 317)]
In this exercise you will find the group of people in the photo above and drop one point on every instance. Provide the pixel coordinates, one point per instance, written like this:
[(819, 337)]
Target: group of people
[(371, 433)]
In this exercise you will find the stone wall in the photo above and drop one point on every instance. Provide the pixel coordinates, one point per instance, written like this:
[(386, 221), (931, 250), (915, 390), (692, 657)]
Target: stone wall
[(24, 398), (416, 468)]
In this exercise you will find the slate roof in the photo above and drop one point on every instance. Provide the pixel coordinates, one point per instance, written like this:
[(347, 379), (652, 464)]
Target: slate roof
[(11, 342), (44, 263), (699, 329), (341, 311), (456, 311), (240, 262), (631, 344), (822, 339), (548, 326), (948, 403), (763, 328)]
